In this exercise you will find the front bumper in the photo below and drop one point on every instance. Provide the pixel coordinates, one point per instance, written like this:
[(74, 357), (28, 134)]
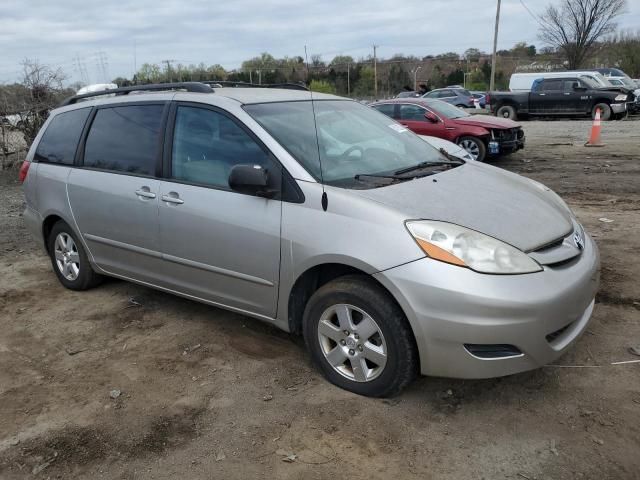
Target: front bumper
[(618, 107), (505, 142), (541, 314)]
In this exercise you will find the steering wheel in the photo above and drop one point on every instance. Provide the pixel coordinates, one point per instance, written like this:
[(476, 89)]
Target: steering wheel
[(347, 153)]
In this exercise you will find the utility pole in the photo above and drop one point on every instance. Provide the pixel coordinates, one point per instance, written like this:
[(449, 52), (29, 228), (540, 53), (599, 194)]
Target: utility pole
[(495, 46), (375, 73), (135, 60), (348, 80)]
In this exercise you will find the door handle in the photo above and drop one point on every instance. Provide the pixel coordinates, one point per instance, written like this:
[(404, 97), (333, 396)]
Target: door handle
[(567, 93), (542, 94), (172, 197), (144, 192)]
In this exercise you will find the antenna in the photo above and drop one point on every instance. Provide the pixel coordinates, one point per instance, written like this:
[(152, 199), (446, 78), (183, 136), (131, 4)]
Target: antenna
[(324, 200)]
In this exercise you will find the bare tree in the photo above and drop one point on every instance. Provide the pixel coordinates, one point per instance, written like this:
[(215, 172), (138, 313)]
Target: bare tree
[(576, 25), (44, 89)]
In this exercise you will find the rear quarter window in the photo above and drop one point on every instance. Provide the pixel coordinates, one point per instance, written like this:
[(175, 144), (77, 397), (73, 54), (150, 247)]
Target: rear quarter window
[(60, 140)]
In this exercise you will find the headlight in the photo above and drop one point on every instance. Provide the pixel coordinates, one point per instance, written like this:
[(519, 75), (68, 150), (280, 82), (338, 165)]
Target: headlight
[(621, 98), (467, 248)]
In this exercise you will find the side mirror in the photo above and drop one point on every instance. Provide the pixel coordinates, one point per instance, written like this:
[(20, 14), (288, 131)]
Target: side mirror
[(431, 117), (251, 179)]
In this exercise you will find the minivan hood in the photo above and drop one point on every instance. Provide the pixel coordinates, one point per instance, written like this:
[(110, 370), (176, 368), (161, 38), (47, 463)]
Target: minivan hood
[(487, 121), (487, 199)]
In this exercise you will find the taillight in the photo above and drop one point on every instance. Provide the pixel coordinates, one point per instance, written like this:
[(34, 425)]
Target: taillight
[(24, 169)]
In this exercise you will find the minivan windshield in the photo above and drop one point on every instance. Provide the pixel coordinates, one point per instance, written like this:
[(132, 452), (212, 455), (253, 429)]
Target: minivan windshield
[(355, 143)]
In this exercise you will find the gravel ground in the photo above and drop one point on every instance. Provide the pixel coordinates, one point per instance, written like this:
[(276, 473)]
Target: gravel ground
[(206, 393)]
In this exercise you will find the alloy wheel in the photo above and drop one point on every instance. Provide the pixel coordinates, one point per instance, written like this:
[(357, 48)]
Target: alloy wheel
[(471, 147), (352, 342), (67, 256)]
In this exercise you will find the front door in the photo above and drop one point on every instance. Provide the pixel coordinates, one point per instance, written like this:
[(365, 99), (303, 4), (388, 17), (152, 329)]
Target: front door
[(217, 244), (571, 98), (413, 117), (114, 193)]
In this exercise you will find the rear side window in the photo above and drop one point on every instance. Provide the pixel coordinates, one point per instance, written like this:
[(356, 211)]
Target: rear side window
[(387, 109), (125, 139), (552, 85), (60, 139)]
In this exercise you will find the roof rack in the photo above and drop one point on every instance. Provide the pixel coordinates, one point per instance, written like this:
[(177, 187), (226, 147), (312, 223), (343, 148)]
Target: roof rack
[(228, 83), (188, 86)]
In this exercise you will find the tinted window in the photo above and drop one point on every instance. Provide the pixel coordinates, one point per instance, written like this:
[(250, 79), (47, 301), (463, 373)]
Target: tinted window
[(570, 84), (207, 144), (125, 139), (552, 85), (386, 109), (59, 142), (412, 112)]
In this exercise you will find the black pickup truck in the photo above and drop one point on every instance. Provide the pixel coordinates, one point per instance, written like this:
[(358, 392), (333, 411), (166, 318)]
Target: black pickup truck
[(567, 96)]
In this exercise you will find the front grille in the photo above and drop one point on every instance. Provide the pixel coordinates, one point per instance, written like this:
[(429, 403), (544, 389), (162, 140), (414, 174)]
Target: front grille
[(508, 135), (488, 351), (554, 335)]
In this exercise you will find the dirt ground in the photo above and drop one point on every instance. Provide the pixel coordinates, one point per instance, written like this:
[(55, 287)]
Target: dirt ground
[(209, 394)]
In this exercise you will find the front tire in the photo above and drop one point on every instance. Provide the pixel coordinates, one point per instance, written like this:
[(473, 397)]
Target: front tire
[(605, 111), (69, 260), (507, 111), (359, 337), (474, 146)]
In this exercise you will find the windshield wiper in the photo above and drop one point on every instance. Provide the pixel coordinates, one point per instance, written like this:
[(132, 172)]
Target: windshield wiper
[(453, 158), (452, 161), (372, 175)]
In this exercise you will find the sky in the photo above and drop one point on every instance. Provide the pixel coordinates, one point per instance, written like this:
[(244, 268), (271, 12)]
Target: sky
[(107, 39)]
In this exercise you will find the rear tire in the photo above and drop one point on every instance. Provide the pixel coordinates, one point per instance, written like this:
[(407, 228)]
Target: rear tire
[(69, 260), (353, 322), (474, 146), (507, 111), (605, 111)]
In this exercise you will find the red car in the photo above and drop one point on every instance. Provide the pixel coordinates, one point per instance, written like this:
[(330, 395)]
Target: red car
[(480, 135)]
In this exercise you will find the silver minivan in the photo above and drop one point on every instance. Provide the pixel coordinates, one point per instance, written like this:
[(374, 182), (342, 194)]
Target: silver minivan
[(320, 216)]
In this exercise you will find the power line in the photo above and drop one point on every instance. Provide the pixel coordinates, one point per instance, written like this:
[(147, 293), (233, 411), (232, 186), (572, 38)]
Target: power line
[(533, 15)]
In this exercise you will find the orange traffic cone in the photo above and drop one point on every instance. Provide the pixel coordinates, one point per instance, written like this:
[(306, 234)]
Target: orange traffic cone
[(594, 139)]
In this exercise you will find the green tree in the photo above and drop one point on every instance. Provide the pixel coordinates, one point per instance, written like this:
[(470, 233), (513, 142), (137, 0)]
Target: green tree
[(473, 54), (363, 87), (341, 61), (149, 73), (322, 86)]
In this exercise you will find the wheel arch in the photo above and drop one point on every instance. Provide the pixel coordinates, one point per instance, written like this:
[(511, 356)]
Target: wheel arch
[(598, 100), (479, 132), (48, 222), (309, 281)]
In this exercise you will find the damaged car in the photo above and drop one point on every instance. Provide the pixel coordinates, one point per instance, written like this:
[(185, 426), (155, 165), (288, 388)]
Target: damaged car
[(482, 136)]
